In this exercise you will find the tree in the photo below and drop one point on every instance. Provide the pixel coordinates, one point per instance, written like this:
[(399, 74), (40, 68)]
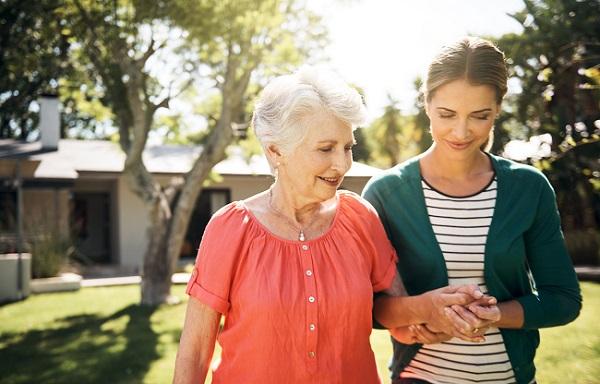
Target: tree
[(556, 60), (224, 43), (394, 137), (33, 56)]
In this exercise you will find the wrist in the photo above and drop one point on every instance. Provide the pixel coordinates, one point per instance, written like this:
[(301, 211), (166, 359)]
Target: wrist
[(423, 307)]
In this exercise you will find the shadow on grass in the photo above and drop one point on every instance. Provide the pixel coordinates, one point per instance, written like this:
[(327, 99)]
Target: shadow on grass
[(82, 349)]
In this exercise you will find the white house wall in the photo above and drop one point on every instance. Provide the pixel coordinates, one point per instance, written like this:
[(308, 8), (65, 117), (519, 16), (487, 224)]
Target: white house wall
[(132, 226), (133, 218)]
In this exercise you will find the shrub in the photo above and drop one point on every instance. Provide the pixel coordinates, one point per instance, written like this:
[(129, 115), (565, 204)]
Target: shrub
[(49, 254), (584, 246)]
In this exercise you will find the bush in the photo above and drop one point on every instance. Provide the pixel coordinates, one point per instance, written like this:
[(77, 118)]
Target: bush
[(49, 254), (584, 246)]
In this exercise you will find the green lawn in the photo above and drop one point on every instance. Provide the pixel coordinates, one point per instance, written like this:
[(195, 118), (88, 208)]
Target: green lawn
[(100, 335)]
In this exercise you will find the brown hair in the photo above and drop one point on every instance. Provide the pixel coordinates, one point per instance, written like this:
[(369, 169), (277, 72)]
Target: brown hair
[(476, 60)]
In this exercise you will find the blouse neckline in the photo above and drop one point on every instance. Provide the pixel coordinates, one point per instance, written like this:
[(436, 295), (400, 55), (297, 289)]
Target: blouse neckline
[(268, 232)]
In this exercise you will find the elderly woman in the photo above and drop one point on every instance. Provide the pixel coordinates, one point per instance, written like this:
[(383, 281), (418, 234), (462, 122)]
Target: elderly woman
[(459, 215), (293, 269)]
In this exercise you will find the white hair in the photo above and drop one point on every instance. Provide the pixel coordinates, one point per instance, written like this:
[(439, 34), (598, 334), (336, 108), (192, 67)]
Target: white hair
[(289, 102)]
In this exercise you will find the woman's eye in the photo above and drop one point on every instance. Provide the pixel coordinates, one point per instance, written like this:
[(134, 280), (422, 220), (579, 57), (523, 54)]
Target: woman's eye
[(326, 149), (446, 116), (348, 148), (482, 117)]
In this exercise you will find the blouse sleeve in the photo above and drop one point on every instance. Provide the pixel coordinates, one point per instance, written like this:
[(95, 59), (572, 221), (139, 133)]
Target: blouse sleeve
[(385, 259), (383, 255), (217, 258), (558, 298)]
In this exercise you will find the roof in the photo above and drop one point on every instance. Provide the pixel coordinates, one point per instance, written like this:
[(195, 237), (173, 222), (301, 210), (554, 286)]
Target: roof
[(74, 156), (17, 149)]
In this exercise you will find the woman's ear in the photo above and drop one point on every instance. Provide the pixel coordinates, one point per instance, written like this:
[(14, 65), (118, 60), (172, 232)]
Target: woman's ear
[(274, 154)]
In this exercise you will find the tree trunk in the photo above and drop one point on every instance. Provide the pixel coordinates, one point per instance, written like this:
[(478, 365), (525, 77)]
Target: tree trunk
[(213, 152), (156, 277)]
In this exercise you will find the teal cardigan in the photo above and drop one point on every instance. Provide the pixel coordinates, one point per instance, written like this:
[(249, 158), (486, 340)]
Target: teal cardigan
[(525, 254)]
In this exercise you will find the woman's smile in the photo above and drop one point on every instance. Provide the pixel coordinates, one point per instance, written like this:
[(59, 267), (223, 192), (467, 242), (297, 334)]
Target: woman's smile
[(459, 145), (331, 181)]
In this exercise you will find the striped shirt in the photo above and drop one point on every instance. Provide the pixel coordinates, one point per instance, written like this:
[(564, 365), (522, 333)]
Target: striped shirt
[(461, 226)]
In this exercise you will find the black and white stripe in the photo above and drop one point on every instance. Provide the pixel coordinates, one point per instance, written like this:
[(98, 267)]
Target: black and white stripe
[(461, 226)]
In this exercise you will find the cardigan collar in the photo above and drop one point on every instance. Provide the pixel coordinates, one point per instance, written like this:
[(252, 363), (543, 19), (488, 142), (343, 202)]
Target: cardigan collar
[(412, 170)]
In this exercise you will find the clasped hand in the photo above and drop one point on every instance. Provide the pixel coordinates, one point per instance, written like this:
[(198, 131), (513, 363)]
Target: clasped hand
[(454, 311)]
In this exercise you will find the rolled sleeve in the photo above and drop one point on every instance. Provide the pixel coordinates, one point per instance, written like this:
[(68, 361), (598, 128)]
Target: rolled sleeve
[(195, 289), (384, 255), (217, 259)]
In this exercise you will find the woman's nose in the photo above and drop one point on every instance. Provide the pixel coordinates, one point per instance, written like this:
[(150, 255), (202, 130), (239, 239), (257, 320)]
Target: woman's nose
[(461, 130), (341, 163)]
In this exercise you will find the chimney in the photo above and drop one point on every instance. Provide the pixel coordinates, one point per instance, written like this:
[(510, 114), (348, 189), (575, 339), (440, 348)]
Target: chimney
[(49, 121)]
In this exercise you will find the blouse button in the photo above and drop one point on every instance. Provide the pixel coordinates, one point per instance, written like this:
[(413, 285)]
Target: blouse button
[(311, 299), (305, 247), (311, 354), (312, 327), (308, 272)]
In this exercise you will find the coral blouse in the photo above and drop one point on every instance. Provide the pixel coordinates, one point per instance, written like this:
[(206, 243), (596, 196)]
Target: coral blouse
[(295, 311)]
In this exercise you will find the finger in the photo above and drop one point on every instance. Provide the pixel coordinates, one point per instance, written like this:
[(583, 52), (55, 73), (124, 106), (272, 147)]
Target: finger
[(455, 298), (490, 313), (424, 335), (469, 317), (474, 338), (472, 290), (403, 335), (459, 323), (413, 334), (471, 338), (486, 300)]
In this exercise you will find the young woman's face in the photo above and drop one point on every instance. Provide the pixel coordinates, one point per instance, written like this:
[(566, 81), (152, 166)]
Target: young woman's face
[(462, 116), (316, 167)]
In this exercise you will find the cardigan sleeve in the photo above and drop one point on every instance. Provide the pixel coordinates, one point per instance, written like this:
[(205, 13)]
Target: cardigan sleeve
[(372, 193), (557, 298)]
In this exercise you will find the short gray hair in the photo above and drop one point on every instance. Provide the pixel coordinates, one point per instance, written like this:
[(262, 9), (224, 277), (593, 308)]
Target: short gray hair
[(288, 102)]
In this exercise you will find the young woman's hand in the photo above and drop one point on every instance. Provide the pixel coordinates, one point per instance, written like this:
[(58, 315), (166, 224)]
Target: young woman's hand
[(474, 319), (440, 318)]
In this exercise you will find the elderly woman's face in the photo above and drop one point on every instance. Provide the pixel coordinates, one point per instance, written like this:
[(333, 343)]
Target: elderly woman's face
[(316, 167)]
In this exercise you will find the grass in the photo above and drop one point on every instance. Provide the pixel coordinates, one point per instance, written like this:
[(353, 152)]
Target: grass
[(100, 335)]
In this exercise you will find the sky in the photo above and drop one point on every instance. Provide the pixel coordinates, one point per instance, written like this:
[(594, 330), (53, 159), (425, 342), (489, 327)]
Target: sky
[(383, 45)]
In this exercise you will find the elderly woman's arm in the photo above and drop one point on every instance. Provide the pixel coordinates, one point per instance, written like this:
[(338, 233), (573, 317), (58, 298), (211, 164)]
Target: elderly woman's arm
[(197, 343), (395, 309)]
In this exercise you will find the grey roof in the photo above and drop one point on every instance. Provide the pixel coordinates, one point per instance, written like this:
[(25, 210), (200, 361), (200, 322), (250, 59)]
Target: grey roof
[(17, 149), (75, 156)]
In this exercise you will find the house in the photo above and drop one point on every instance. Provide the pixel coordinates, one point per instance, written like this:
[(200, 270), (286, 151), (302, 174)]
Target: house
[(79, 191)]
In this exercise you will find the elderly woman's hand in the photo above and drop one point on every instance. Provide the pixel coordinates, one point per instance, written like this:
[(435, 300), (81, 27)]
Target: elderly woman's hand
[(418, 333), (473, 320), (479, 316)]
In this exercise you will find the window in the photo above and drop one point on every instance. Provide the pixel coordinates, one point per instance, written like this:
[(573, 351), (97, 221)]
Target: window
[(8, 211)]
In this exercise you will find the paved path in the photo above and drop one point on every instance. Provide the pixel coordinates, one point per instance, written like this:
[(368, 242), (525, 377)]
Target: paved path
[(583, 273), (178, 278), (588, 273)]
